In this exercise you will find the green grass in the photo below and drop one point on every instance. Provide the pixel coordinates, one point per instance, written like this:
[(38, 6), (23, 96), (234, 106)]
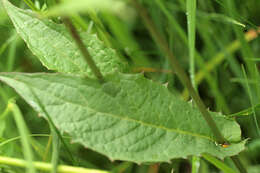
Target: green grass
[(191, 20), (252, 103), (24, 133), (212, 42), (219, 164)]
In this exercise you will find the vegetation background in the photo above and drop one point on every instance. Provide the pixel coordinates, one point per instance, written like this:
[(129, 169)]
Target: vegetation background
[(226, 70)]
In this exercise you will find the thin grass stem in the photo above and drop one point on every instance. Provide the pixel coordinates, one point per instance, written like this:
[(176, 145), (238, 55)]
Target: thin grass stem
[(7, 141), (220, 57), (191, 18), (25, 140), (55, 151), (251, 101), (83, 49), (47, 166), (162, 44), (219, 164), (195, 162)]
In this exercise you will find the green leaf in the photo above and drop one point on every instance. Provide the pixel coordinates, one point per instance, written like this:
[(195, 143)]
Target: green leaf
[(68, 7), (55, 48), (128, 118)]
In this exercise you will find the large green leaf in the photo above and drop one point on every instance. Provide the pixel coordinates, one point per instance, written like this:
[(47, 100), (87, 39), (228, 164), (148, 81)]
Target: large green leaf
[(127, 118), (56, 49)]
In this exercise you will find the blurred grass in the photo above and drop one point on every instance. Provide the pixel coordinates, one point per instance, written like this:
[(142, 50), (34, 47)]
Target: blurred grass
[(226, 38), (25, 139), (219, 164), (252, 103)]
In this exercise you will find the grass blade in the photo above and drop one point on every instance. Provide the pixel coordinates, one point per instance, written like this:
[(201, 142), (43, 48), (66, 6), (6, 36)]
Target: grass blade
[(245, 112), (221, 56), (191, 18), (30, 4), (47, 166), (12, 53), (66, 8), (251, 102), (25, 140), (7, 42), (219, 164), (55, 151), (195, 164), (199, 59)]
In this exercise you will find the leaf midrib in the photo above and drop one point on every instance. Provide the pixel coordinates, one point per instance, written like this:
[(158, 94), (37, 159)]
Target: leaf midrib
[(118, 116)]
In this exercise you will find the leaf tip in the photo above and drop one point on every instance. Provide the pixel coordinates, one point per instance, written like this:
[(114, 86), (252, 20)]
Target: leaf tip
[(72, 142), (169, 161), (141, 74), (111, 159), (39, 115), (138, 163), (166, 84)]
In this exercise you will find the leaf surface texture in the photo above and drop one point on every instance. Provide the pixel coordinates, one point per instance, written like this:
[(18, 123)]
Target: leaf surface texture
[(127, 118), (56, 49)]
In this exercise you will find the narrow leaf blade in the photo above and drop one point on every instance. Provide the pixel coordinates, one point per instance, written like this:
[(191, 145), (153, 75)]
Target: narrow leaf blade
[(69, 7)]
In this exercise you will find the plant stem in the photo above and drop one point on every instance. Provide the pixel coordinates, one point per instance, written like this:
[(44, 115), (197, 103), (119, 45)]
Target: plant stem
[(178, 69), (162, 44), (195, 164), (83, 49), (55, 150), (238, 164), (47, 166), (11, 54), (219, 164), (220, 57), (191, 18), (154, 168), (251, 101)]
